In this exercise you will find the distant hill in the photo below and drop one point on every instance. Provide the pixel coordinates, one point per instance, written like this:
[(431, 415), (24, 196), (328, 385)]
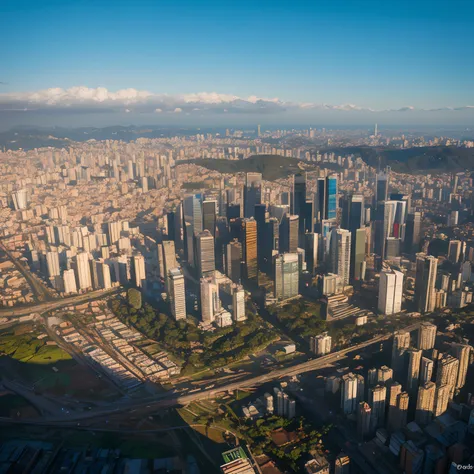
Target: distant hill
[(272, 167), (414, 160)]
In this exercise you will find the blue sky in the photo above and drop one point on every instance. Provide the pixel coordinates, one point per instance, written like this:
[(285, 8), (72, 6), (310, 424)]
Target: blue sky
[(379, 55)]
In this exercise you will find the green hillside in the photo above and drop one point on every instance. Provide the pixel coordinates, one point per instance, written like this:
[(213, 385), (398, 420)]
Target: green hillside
[(413, 160), (272, 167)]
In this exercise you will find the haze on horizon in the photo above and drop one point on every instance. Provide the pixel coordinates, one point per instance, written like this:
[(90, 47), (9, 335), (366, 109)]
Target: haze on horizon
[(84, 63)]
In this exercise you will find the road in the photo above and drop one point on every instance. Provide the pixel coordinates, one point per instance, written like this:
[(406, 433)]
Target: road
[(169, 400), (57, 304), (39, 291)]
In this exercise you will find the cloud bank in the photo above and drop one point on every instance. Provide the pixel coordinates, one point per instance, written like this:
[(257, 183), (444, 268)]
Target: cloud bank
[(99, 100)]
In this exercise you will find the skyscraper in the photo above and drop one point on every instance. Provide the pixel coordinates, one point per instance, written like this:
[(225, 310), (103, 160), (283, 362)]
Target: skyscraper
[(413, 374), (238, 304), (298, 204), (349, 393), (462, 352), (249, 248), (233, 261), (381, 189), (210, 302), (390, 292), (401, 342), (454, 251), (426, 336), (358, 246), (425, 403), (205, 253), (447, 373), (441, 400), (377, 397), (83, 271), (426, 370), (288, 242), (52, 261), (209, 213), (286, 275), (138, 268), (331, 197), (192, 213), (252, 193), (413, 232), (364, 413), (393, 391), (426, 270), (311, 251), (340, 254), (177, 295), (69, 281)]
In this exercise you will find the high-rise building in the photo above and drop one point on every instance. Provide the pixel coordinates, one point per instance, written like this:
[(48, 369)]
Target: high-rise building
[(210, 302), (425, 403), (238, 304), (401, 342), (331, 197), (298, 205), (381, 188), (192, 213), (288, 242), (426, 370), (138, 268), (349, 393), (426, 336), (286, 275), (52, 261), (233, 261), (252, 193), (454, 250), (83, 271), (209, 213), (177, 294), (384, 375), (169, 256), (103, 275), (462, 352), (358, 252), (69, 281), (413, 374), (364, 424), (390, 291), (205, 259), (321, 344), (426, 271), (377, 400), (114, 230), (393, 391), (447, 373), (441, 400), (249, 248), (340, 254), (413, 232), (311, 251)]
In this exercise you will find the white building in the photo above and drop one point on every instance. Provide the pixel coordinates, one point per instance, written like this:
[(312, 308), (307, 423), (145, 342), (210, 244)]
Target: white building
[(390, 292), (177, 294), (69, 281), (340, 254), (321, 344), (238, 304)]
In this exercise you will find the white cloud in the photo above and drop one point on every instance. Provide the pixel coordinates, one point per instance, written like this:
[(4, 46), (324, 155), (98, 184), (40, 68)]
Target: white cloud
[(100, 99)]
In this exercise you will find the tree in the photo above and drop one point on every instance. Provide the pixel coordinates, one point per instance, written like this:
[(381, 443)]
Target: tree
[(134, 298)]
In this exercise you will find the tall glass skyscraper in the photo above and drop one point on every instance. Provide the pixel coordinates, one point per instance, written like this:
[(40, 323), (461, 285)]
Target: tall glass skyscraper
[(331, 200)]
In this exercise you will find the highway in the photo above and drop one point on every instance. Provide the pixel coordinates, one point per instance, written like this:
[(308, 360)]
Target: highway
[(39, 290), (57, 304), (169, 400)]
